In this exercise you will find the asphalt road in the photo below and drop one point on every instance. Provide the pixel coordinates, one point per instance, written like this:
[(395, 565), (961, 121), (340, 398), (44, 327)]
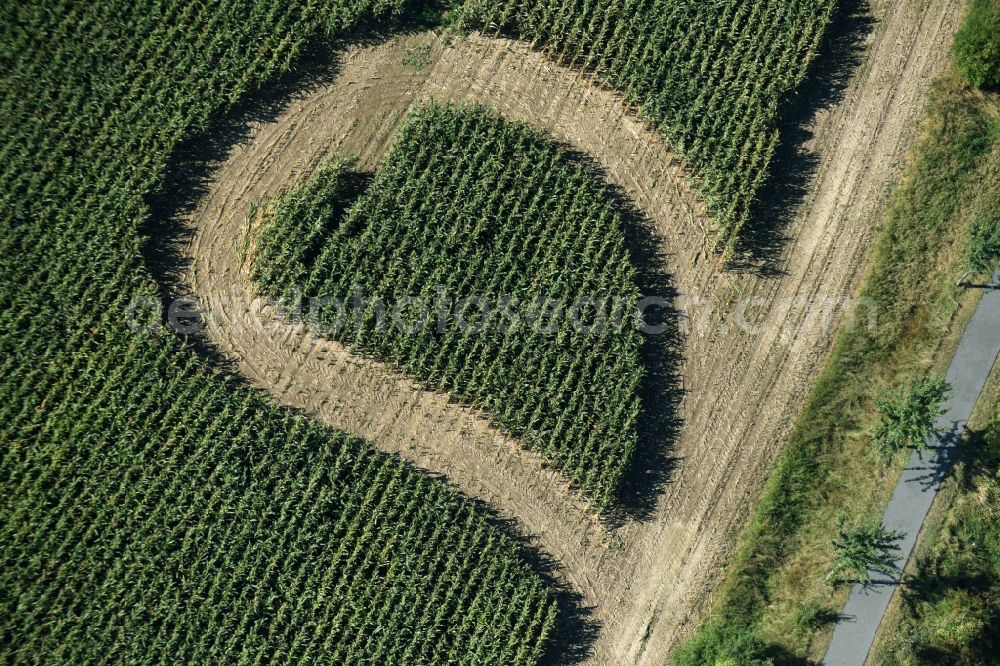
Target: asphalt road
[(912, 498)]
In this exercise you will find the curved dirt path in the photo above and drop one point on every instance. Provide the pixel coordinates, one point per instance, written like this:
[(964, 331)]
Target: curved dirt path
[(648, 582)]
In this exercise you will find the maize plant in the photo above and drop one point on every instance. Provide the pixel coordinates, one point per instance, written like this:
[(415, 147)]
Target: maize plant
[(154, 511)]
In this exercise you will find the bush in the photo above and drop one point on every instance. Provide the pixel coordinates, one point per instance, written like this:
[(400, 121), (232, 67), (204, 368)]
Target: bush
[(864, 548), (722, 645), (813, 615), (984, 249), (977, 45)]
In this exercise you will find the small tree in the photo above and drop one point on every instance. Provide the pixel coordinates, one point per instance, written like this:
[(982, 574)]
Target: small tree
[(866, 547), (907, 415)]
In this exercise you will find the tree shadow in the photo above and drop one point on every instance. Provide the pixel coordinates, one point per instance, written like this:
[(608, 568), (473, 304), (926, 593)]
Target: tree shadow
[(940, 457), (929, 586), (955, 445), (979, 457), (781, 656), (874, 582), (825, 617), (794, 166)]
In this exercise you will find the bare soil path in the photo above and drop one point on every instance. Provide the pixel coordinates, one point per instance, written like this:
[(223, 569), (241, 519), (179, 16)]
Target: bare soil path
[(752, 344)]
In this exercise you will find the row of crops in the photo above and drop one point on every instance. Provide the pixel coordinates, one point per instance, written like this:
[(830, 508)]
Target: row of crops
[(154, 511), (165, 520), (465, 205), (711, 75)]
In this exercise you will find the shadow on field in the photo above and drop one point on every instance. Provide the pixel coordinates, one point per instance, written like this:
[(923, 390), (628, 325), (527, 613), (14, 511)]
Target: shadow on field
[(841, 52), (779, 656), (189, 172), (660, 358), (191, 169), (661, 355), (575, 629)]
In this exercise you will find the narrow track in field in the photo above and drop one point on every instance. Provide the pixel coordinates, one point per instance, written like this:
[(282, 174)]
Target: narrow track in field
[(648, 582)]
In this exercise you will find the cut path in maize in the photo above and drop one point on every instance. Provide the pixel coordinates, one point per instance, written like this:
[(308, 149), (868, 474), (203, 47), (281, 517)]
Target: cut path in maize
[(752, 342)]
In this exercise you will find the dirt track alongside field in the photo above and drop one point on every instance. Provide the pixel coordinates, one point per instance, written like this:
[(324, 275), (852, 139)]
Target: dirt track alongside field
[(648, 581)]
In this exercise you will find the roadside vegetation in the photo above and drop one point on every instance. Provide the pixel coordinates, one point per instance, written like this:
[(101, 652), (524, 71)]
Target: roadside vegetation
[(950, 607), (906, 416), (949, 611), (977, 45), (775, 602), (488, 264), (862, 548)]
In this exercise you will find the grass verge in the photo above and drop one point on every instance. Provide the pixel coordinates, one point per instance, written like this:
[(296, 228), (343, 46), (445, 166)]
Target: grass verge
[(774, 603), (949, 610)]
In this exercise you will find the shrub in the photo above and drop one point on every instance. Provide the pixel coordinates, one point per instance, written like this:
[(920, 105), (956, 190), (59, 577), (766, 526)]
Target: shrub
[(866, 547), (722, 645), (984, 249), (812, 615), (977, 45)]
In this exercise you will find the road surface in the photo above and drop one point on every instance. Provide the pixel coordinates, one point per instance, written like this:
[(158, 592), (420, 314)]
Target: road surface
[(921, 480)]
